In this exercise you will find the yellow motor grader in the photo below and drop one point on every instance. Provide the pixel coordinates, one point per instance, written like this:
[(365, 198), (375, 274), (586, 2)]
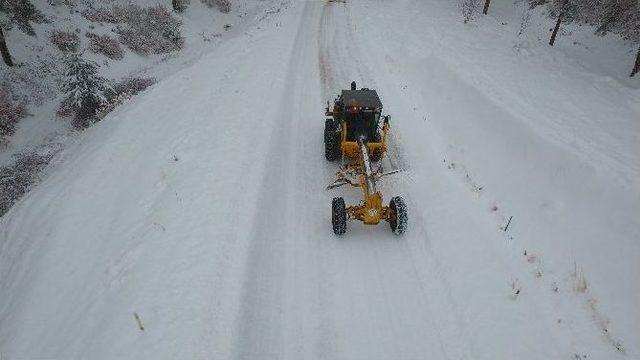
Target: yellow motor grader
[(357, 134)]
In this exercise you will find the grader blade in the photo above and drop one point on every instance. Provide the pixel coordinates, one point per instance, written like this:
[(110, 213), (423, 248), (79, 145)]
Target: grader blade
[(341, 182), (389, 173)]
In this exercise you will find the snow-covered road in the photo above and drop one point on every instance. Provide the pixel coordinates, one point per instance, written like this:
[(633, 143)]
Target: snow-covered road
[(369, 295), (201, 207)]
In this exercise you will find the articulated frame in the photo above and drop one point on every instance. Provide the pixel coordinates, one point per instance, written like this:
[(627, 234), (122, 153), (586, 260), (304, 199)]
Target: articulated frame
[(370, 211)]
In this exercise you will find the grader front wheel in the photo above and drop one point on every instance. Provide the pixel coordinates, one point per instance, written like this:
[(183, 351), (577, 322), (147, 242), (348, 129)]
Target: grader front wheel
[(398, 220)]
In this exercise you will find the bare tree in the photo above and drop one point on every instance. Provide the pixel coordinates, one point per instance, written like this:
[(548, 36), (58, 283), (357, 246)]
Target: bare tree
[(621, 17), (636, 67), (486, 7), (6, 56), (561, 14)]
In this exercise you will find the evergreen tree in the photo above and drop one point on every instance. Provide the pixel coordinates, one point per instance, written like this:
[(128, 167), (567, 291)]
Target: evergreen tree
[(84, 87), (621, 17)]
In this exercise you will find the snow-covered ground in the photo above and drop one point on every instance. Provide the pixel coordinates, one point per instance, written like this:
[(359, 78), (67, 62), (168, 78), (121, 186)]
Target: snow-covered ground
[(199, 206), (40, 63)]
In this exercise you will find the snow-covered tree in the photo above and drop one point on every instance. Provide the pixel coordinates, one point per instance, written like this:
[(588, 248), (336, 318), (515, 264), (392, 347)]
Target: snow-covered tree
[(106, 45), (11, 111), (151, 30), (617, 16), (22, 13), (621, 17), (65, 41), (222, 5), (84, 88)]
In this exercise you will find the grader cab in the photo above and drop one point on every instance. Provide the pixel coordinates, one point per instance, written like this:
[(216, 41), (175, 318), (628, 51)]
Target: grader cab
[(357, 134), (356, 116)]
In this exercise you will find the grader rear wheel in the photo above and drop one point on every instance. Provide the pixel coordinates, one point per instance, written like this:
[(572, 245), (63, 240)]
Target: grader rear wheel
[(331, 141), (398, 221), (376, 155), (338, 216)]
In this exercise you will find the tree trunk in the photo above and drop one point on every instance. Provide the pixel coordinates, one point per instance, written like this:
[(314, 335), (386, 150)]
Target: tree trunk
[(560, 16), (636, 67), (486, 7), (555, 30), (179, 5), (6, 56)]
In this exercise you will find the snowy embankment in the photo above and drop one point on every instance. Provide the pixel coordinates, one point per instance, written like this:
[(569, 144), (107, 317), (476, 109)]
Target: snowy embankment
[(40, 65), (199, 206), (145, 213), (530, 133), (495, 125), (82, 51)]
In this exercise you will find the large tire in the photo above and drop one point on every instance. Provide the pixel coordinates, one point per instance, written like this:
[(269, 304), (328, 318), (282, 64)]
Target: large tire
[(338, 216), (398, 221), (377, 136), (376, 155), (331, 141)]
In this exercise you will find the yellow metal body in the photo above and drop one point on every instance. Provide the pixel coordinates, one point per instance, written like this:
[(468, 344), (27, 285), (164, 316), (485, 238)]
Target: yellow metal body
[(370, 211), (351, 149)]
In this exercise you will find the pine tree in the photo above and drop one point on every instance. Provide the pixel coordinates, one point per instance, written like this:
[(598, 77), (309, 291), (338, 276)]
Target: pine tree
[(84, 87), (620, 17)]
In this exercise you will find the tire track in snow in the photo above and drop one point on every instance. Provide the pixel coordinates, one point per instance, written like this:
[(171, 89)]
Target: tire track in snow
[(279, 316), (395, 153), (341, 62), (307, 294)]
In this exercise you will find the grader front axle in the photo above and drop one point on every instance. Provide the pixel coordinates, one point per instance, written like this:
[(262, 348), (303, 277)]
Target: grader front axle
[(370, 211)]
